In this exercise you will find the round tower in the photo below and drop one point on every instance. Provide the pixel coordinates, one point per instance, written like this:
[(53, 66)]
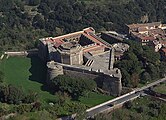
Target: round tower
[(53, 70)]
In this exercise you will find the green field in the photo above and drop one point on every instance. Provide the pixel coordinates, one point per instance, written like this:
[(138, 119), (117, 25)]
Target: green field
[(93, 99), (161, 88), (30, 74)]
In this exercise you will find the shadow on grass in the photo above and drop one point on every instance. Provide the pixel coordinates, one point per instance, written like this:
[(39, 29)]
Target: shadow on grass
[(38, 72)]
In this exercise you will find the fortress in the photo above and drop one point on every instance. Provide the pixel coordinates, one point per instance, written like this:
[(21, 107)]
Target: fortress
[(81, 54)]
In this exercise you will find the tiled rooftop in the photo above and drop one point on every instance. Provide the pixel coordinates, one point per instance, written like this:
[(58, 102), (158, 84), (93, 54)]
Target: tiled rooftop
[(88, 33), (148, 31), (144, 25)]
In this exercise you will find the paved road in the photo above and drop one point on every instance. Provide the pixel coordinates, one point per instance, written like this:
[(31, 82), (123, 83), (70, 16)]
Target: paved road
[(122, 99), (111, 104), (153, 84)]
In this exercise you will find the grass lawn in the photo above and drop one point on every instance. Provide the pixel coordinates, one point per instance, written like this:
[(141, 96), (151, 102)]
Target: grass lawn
[(30, 73), (161, 88), (94, 99)]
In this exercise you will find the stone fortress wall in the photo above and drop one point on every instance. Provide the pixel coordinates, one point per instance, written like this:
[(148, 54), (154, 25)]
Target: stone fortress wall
[(109, 81)]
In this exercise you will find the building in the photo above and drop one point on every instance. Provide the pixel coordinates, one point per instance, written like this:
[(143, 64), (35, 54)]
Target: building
[(112, 37), (116, 40), (157, 45), (163, 43), (82, 54), (148, 32), (119, 49)]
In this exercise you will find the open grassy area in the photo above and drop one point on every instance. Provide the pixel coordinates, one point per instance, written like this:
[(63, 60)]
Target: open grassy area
[(30, 73), (93, 99), (161, 88)]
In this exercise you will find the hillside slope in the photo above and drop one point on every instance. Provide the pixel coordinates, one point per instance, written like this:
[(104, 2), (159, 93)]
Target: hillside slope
[(22, 22)]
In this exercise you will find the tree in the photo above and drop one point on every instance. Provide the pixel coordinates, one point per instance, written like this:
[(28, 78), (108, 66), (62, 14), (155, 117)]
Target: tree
[(3, 93), (16, 95), (1, 76), (154, 112), (153, 71), (125, 77), (130, 56), (34, 2), (23, 108), (44, 8), (145, 77), (150, 56), (31, 97), (62, 97), (38, 22), (155, 105), (135, 79), (130, 68), (135, 47), (162, 69), (37, 106), (73, 86), (140, 109), (128, 104), (80, 110)]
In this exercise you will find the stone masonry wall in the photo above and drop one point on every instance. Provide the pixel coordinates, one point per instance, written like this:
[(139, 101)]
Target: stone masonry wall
[(106, 82)]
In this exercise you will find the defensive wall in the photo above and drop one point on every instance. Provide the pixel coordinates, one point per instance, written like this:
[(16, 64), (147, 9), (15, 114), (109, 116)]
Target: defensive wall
[(104, 79)]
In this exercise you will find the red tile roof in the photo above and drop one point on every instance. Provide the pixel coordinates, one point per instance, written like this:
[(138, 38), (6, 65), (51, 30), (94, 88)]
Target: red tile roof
[(163, 42), (57, 41), (143, 25), (148, 38), (142, 29), (92, 48)]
